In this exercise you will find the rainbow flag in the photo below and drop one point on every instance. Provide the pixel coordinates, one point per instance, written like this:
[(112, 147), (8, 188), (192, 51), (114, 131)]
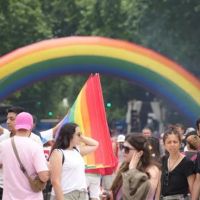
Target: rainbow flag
[(88, 112)]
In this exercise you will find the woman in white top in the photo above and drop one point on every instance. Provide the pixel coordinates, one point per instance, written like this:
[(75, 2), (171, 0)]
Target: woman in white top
[(67, 165)]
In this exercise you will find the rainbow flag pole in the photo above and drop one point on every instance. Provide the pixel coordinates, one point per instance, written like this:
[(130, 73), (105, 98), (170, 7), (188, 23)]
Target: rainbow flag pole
[(88, 111)]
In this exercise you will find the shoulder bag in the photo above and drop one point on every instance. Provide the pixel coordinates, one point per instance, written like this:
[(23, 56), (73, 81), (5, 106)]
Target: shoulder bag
[(35, 183)]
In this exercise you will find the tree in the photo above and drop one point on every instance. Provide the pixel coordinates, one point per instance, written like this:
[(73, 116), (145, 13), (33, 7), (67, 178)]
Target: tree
[(62, 16), (171, 28), (167, 26), (21, 23)]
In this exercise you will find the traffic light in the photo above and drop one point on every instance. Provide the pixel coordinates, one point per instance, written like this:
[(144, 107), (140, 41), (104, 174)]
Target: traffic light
[(50, 113), (108, 105), (38, 103)]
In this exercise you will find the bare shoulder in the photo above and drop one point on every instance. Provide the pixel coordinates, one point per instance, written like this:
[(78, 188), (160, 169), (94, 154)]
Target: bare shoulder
[(56, 154), (153, 170)]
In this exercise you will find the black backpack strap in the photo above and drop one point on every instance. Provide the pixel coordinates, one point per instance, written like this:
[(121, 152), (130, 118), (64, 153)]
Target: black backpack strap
[(76, 149), (63, 156)]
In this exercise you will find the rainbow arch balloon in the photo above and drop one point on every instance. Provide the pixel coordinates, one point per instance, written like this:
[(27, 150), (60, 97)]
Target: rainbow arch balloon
[(73, 55)]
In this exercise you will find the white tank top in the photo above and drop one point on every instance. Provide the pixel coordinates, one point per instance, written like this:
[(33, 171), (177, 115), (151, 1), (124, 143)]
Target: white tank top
[(73, 172)]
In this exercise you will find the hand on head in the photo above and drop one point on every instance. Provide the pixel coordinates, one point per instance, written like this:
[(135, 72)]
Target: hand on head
[(135, 159)]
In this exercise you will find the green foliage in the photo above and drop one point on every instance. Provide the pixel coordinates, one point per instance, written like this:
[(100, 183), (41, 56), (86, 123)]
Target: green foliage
[(99, 18), (62, 16), (171, 28), (167, 26), (113, 18), (21, 23)]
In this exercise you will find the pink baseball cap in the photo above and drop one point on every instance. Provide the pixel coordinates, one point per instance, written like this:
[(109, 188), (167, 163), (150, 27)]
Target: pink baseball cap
[(24, 120)]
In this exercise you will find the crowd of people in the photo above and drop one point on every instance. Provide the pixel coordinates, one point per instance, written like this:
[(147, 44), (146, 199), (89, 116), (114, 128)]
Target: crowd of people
[(149, 168)]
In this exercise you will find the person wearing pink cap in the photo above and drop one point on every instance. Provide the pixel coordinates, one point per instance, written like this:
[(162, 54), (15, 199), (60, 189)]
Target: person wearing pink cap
[(16, 184), (11, 116), (11, 131)]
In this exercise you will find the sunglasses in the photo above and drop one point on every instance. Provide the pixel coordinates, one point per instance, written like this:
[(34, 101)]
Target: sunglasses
[(78, 134), (126, 149)]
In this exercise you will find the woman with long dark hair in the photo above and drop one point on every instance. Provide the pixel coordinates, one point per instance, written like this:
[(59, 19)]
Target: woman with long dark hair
[(138, 175), (67, 166), (177, 170)]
